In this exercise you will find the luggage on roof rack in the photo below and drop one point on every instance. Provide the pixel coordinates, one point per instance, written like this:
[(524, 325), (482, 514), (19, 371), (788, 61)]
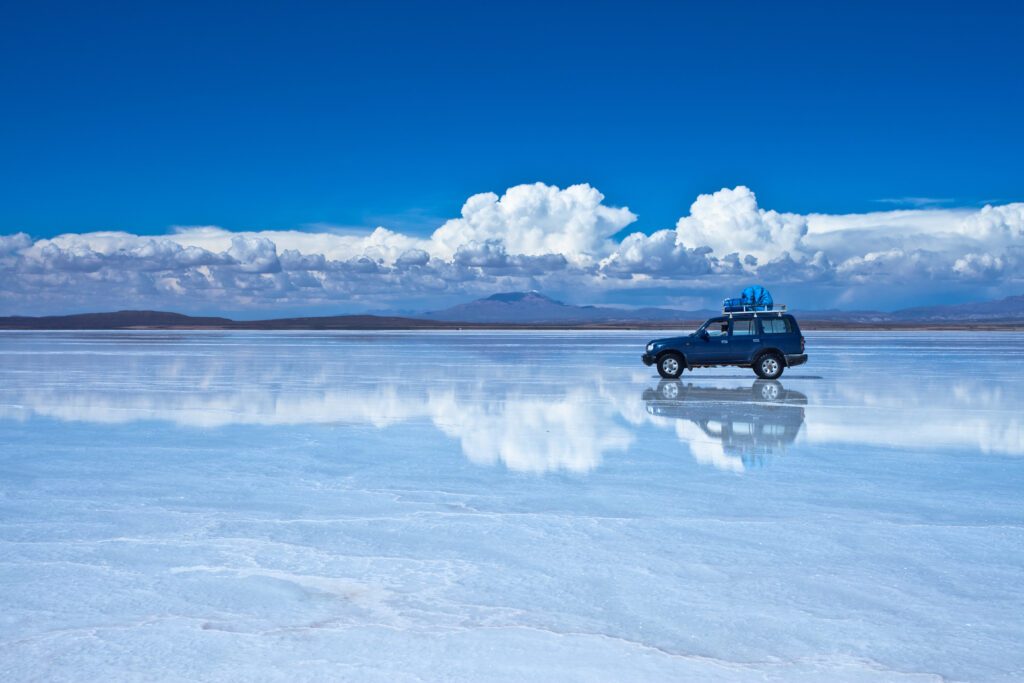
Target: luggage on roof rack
[(754, 298)]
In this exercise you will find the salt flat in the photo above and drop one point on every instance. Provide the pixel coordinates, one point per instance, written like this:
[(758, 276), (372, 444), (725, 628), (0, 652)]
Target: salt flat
[(507, 506)]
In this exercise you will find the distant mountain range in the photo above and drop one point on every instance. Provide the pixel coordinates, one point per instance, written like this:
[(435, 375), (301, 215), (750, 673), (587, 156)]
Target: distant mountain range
[(107, 321), (122, 320), (533, 309), (1010, 308)]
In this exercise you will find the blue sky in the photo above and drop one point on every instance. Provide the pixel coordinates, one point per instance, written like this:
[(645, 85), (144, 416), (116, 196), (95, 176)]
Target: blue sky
[(329, 117)]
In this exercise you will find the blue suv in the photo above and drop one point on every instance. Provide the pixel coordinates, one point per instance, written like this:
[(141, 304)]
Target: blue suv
[(767, 341)]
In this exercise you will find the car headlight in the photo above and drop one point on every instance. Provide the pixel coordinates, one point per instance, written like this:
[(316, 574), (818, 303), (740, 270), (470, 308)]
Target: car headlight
[(650, 347)]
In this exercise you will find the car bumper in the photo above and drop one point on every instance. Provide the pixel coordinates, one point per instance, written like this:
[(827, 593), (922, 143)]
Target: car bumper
[(648, 359), (796, 359)]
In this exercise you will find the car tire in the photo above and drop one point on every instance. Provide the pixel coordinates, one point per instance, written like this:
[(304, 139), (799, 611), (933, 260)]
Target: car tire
[(769, 366), (670, 365)]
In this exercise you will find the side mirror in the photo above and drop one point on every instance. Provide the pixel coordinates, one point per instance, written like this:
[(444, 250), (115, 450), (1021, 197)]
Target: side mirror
[(704, 335)]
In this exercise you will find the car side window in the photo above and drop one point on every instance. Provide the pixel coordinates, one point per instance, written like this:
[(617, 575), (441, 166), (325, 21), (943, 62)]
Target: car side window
[(743, 328), (717, 328), (775, 326)]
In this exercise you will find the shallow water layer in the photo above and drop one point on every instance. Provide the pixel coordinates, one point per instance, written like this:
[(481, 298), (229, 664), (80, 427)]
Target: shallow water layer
[(507, 506)]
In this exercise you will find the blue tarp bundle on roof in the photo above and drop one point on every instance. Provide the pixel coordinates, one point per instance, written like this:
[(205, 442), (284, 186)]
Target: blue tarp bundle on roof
[(754, 298)]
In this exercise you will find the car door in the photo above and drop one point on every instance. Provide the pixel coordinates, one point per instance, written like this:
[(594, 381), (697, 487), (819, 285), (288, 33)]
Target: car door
[(742, 339), (711, 348)]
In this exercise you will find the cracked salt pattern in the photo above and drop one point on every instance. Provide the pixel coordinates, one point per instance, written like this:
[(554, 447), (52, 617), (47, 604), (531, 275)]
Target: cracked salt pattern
[(507, 506)]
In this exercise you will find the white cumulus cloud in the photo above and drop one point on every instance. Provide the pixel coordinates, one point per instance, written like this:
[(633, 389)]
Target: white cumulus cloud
[(533, 236), (730, 221), (535, 220)]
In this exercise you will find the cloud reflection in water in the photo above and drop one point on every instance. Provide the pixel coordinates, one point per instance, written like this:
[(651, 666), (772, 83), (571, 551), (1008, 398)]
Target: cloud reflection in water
[(519, 400)]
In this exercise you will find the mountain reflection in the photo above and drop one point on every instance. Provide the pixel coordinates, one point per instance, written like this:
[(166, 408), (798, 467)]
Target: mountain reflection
[(738, 426)]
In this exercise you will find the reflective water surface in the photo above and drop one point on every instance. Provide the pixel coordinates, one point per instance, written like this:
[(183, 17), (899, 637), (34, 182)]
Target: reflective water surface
[(507, 506)]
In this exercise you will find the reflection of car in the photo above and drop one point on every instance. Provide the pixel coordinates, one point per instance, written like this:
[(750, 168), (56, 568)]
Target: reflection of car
[(768, 342), (749, 421)]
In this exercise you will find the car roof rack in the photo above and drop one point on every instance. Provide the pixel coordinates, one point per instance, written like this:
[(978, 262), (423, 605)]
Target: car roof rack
[(768, 310)]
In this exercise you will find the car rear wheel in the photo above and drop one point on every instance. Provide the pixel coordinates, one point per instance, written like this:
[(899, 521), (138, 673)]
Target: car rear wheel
[(769, 366), (670, 366)]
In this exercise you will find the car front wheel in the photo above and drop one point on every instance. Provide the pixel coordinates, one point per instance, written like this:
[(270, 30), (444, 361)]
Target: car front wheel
[(670, 366), (769, 366)]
